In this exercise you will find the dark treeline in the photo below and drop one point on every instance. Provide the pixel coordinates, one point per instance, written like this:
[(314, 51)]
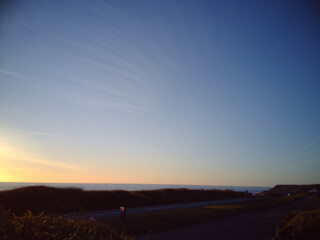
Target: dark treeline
[(68, 200)]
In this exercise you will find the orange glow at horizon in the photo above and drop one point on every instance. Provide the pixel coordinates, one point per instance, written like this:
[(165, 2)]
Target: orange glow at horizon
[(20, 166)]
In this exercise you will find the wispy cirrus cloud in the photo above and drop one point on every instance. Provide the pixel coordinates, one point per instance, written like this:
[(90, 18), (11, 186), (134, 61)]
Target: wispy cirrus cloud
[(310, 144), (16, 158), (47, 134), (107, 67), (105, 78), (10, 73)]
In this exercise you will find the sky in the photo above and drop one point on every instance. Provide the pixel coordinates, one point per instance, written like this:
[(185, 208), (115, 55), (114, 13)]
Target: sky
[(160, 92)]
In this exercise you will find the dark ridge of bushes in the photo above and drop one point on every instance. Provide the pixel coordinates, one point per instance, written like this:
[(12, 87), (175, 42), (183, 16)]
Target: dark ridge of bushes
[(300, 225), (68, 200), (292, 189), (45, 227)]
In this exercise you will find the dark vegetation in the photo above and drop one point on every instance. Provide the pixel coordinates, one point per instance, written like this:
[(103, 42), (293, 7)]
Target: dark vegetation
[(32, 213), (40, 199), (291, 189), (46, 227), (300, 225), (18, 222)]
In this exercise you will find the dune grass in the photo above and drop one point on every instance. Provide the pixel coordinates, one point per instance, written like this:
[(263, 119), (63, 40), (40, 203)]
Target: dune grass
[(171, 219)]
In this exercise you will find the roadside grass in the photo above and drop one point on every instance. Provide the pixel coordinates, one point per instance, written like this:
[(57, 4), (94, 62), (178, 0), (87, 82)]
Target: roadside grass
[(170, 219)]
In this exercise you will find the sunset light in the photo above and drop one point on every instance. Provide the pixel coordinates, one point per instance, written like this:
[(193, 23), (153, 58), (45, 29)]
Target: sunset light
[(201, 93), (159, 119)]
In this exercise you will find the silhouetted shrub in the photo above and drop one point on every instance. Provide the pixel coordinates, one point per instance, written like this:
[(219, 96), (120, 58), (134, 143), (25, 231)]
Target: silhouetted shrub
[(44, 227), (303, 225)]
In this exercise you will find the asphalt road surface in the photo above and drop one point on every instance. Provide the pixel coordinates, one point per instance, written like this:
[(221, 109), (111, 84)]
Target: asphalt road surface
[(260, 224)]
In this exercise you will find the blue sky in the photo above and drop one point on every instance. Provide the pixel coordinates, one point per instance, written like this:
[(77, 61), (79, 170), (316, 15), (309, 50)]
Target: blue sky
[(169, 92)]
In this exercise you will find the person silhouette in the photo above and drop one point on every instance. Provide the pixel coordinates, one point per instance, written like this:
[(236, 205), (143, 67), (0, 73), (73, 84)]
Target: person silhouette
[(122, 213)]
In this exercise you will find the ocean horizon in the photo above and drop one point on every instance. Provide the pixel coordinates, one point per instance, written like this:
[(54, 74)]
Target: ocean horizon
[(128, 187)]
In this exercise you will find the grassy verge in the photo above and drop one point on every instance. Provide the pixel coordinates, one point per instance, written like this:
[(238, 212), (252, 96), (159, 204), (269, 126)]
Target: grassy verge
[(171, 219)]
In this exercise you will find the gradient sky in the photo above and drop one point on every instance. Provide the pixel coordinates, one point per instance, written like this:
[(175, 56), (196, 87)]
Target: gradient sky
[(161, 91)]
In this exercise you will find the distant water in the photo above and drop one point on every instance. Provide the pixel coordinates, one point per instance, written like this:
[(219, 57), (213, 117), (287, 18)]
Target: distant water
[(127, 187)]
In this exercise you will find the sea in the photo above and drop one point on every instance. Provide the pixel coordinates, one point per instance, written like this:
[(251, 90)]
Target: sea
[(128, 187)]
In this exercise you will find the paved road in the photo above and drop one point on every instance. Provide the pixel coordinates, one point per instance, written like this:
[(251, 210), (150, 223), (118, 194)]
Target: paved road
[(113, 213), (260, 224)]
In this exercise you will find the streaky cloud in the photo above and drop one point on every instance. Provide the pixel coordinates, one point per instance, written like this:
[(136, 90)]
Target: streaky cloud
[(310, 144), (10, 73), (36, 133)]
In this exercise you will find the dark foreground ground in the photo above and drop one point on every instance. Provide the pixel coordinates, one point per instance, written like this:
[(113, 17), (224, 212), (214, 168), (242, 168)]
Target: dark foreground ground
[(250, 226)]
